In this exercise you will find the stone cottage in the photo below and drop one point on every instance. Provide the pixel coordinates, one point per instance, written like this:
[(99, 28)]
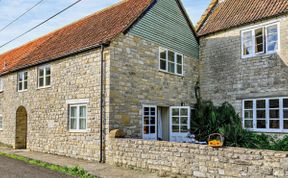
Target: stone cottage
[(132, 66), (243, 60)]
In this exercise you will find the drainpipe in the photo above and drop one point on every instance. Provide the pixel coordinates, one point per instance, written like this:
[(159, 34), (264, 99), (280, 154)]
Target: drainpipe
[(101, 103)]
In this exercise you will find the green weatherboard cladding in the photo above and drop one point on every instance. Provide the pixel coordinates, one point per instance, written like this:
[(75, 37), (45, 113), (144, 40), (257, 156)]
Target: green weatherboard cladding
[(165, 24)]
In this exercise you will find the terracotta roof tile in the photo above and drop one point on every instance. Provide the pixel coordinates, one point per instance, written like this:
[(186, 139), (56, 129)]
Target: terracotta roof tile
[(93, 30), (232, 13)]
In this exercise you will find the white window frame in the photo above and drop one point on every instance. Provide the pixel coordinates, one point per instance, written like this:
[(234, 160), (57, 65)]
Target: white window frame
[(1, 122), (44, 76), (22, 82), (267, 112), (1, 84), (149, 136), (77, 117), (167, 61), (265, 36)]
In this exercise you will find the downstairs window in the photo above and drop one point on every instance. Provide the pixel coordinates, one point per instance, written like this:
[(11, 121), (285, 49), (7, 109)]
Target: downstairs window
[(267, 115)]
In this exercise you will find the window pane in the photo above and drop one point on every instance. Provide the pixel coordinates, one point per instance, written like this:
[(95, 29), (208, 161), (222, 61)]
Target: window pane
[(261, 114), (260, 104), (175, 128), (175, 112), (20, 77), (184, 120), (179, 59), (175, 120), (25, 75), (259, 40), (272, 38), (163, 65), (248, 114), (248, 104), (248, 124), (41, 82), (171, 67), (274, 113), (73, 123), (272, 29), (261, 124), (285, 103), (146, 130), (179, 69), (152, 129), (48, 80), (82, 124), (171, 56), (41, 72), (274, 103), (163, 54), (73, 111), (247, 43), (274, 124), (82, 111), (285, 124), (184, 129), (285, 113), (25, 85), (48, 71), (20, 86), (184, 112), (152, 120), (272, 46), (146, 120)]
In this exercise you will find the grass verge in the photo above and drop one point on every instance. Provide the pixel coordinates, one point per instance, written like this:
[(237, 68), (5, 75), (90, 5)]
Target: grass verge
[(74, 171)]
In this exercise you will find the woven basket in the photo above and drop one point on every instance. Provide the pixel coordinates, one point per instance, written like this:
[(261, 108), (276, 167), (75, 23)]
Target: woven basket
[(216, 140)]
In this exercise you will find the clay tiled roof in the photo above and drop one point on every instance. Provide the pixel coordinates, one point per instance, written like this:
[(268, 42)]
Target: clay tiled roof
[(232, 13), (101, 27)]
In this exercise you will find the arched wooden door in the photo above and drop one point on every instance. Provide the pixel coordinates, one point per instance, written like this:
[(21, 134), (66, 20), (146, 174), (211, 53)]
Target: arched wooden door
[(21, 128)]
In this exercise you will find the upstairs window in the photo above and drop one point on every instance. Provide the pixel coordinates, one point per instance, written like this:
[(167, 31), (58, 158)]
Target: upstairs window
[(260, 40), (1, 85), (171, 61), (44, 76), (22, 81)]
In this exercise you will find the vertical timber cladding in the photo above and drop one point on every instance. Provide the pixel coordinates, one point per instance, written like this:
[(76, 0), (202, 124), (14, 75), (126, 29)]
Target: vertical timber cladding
[(166, 25)]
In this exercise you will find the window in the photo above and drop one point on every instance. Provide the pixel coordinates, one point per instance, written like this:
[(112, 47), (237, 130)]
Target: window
[(180, 119), (78, 117), (22, 81), (260, 40), (44, 76), (1, 122), (171, 62), (149, 120), (1, 84), (268, 114)]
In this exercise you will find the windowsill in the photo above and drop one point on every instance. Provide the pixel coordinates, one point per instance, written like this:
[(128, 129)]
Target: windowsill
[(179, 75), (22, 91), (79, 131), (39, 88), (269, 131), (259, 55)]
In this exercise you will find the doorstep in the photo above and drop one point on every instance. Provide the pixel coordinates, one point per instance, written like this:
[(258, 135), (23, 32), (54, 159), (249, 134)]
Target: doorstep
[(92, 167)]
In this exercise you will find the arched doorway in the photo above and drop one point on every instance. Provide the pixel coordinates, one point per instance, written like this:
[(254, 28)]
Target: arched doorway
[(21, 128)]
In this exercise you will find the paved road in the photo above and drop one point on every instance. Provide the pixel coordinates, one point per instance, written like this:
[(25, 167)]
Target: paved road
[(10, 168)]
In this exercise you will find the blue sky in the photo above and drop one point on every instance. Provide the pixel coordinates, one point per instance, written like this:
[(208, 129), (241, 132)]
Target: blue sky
[(10, 9)]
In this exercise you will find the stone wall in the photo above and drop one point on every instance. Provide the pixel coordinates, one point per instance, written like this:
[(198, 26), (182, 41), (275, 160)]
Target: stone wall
[(225, 76), (75, 77), (196, 160), (136, 80)]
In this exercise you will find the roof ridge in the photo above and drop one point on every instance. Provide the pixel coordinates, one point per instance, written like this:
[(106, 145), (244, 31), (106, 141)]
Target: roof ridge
[(67, 25), (206, 14)]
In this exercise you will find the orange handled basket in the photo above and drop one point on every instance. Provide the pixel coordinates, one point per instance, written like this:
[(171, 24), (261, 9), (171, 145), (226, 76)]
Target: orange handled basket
[(216, 140)]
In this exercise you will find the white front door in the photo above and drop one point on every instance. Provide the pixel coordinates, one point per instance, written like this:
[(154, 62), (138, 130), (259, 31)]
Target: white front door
[(179, 123), (149, 120)]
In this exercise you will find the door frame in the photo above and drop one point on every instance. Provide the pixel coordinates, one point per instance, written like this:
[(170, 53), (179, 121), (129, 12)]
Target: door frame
[(19, 111), (179, 134), (149, 136)]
